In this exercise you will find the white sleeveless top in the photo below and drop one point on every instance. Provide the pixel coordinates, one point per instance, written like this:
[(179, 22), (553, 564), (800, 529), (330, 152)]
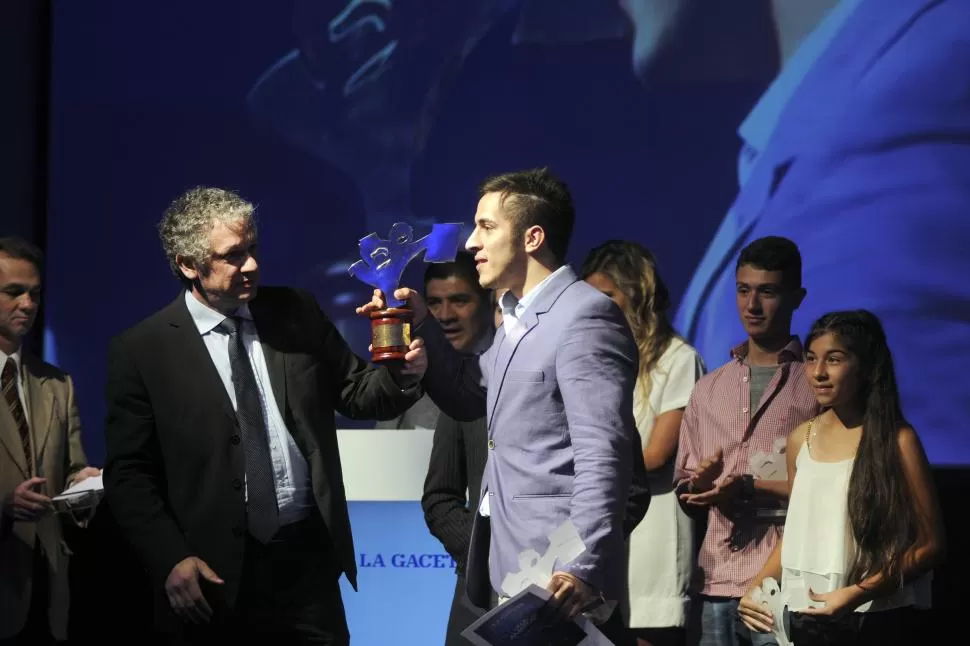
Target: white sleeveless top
[(818, 545), (661, 547)]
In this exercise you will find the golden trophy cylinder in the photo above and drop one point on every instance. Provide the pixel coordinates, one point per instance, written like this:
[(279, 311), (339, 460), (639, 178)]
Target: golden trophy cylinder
[(390, 334)]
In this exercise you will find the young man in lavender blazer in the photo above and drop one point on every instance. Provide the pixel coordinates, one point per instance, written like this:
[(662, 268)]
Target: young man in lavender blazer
[(556, 387)]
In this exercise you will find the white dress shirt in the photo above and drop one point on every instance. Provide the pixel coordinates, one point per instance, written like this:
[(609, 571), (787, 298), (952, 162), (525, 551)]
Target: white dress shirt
[(291, 474), (514, 308)]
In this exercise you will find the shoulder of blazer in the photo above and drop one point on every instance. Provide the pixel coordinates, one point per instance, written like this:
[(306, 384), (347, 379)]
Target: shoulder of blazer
[(40, 369), (175, 314), (285, 312), (583, 290), (583, 300), (283, 301)]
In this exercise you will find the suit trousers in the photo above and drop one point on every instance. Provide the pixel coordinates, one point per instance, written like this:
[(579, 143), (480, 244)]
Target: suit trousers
[(461, 616), (37, 630), (616, 631), (289, 593)]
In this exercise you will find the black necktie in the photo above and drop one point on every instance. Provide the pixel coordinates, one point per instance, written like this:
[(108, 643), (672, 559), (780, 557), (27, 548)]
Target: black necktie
[(261, 511), (8, 382)]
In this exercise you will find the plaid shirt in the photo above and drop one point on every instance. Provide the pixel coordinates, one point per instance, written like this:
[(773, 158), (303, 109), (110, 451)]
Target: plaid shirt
[(718, 414)]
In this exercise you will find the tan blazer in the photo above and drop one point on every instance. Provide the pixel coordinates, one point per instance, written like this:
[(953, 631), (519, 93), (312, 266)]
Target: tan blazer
[(58, 456)]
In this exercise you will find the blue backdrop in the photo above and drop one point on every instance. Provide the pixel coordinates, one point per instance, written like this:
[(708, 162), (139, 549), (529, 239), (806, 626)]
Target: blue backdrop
[(151, 99)]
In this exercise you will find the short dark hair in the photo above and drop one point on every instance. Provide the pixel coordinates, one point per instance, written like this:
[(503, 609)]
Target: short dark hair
[(463, 267), (22, 250), (774, 253), (536, 198)]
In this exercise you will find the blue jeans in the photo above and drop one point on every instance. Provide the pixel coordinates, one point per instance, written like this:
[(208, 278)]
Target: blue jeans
[(721, 626)]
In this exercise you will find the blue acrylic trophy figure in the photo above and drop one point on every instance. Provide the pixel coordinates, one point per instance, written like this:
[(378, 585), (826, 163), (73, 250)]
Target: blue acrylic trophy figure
[(381, 265)]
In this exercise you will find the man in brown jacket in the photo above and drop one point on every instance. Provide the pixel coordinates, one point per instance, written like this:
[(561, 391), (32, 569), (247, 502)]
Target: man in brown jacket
[(40, 456)]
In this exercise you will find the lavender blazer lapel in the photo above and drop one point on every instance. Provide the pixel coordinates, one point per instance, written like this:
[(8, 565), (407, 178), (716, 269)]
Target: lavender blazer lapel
[(531, 318)]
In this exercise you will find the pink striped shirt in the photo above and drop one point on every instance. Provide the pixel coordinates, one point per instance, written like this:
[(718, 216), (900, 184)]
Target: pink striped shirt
[(718, 415)]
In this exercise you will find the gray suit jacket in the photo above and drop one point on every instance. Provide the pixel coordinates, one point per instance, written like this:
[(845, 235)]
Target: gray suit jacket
[(562, 439)]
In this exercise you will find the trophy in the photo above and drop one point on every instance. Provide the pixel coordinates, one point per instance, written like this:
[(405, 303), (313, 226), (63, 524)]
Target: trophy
[(381, 265)]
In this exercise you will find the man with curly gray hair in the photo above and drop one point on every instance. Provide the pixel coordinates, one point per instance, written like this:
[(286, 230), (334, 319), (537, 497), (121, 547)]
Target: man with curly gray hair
[(186, 224), (222, 463)]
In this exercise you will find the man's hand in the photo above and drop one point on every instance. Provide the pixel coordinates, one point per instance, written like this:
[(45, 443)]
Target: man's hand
[(414, 366), (25, 504), (84, 474), (707, 472), (415, 303), (184, 594), (570, 596), (88, 501), (416, 359), (724, 491)]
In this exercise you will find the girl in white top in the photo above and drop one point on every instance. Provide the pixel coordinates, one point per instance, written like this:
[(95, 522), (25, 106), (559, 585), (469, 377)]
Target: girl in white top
[(661, 547), (863, 530)]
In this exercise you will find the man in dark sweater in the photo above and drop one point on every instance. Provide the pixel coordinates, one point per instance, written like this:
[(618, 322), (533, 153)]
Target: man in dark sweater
[(457, 462), (462, 308)]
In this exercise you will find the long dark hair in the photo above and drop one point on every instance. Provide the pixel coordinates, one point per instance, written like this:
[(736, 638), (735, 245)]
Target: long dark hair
[(881, 514)]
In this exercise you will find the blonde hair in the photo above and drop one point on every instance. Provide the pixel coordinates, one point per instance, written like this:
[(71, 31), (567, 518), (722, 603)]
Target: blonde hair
[(633, 269)]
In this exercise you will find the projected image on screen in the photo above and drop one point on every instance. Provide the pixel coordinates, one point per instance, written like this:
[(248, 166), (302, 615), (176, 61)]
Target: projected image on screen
[(363, 85), (362, 89)]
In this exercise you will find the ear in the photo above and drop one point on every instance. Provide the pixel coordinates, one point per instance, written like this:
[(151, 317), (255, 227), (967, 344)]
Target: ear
[(533, 238), (187, 267), (798, 297)]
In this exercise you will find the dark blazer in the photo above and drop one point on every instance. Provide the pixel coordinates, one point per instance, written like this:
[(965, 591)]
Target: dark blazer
[(458, 453), (175, 463)]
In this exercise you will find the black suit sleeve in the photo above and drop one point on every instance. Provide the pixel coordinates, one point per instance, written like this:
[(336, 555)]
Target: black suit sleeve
[(453, 379), (639, 500), (444, 502), (361, 390), (134, 476)]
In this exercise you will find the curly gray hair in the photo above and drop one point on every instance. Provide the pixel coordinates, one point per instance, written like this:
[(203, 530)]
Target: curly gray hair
[(185, 226)]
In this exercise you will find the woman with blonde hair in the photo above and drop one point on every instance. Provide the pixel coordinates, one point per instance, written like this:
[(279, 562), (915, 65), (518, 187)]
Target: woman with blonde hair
[(661, 547)]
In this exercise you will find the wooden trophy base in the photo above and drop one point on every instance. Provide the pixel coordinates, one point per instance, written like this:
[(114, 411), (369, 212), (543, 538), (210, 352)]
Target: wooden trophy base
[(390, 333)]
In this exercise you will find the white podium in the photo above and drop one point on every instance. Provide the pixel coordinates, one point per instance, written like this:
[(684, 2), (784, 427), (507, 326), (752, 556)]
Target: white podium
[(405, 577)]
